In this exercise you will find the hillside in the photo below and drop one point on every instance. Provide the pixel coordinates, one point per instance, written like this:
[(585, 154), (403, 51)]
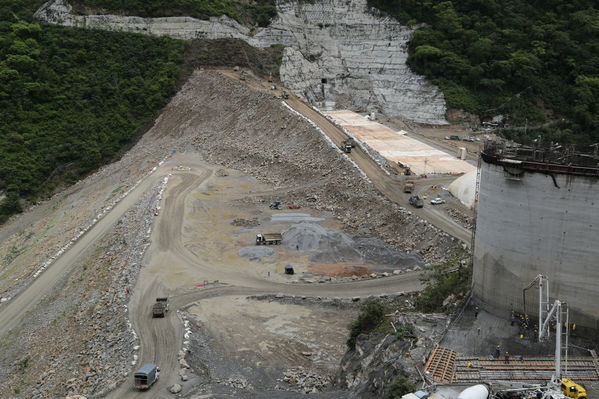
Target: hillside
[(536, 62), (71, 100), (257, 12)]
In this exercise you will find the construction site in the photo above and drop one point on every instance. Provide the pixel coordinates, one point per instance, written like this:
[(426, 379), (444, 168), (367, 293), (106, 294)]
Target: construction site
[(231, 250)]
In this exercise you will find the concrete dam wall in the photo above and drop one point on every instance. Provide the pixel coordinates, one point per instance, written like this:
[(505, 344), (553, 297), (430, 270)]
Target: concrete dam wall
[(338, 51), (534, 223)]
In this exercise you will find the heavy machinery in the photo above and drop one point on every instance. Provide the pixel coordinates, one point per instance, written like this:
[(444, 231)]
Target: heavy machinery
[(269, 239), (275, 205), (146, 376), (408, 187), (285, 95), (160, 307), (348, 144), (416, 201), (572, 389)]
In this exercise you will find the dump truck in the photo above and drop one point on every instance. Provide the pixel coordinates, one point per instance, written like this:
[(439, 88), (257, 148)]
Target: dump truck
[(408, 187), (416, 201), (269, 238), (160, 307), (146, 376)]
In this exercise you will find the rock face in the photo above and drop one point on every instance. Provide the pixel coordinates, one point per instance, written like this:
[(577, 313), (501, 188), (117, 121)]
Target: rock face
[(368, 370), (340, 51), (343, 50)]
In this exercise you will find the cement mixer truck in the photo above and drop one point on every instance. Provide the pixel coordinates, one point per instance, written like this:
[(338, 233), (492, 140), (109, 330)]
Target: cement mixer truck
[(479, 391)]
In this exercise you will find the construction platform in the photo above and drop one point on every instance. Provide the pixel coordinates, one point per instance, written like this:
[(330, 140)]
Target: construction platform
[(398, 147), (444, 366)]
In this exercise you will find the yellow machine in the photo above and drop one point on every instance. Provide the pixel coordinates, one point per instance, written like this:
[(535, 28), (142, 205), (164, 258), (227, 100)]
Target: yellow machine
[(572, 389)]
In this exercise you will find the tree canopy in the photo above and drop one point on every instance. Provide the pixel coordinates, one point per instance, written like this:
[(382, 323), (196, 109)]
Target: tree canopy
[(256, 12), (536, 61), (71, 99)]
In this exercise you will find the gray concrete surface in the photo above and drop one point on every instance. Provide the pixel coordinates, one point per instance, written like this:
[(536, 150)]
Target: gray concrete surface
[(535, 225)]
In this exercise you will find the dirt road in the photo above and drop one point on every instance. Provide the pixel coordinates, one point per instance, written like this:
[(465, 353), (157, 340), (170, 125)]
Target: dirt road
[(12, 312), (169, 257), (389, 187)]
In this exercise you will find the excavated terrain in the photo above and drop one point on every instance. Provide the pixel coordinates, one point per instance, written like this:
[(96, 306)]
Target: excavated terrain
[(78, 338)]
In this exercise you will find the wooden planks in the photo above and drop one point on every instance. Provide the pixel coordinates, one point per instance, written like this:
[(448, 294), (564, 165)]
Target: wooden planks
[(441, 364)]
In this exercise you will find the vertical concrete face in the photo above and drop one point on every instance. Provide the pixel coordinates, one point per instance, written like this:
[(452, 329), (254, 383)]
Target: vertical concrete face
[(537, 224)]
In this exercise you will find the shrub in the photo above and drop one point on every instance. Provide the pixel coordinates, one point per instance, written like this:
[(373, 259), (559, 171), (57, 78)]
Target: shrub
[(400, 386), (372, 314)]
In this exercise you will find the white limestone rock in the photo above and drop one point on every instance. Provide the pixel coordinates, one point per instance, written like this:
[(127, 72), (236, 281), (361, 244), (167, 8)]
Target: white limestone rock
[(339, 49)]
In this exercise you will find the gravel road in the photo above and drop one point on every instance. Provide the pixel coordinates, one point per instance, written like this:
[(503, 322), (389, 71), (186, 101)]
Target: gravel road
[(161, 338)]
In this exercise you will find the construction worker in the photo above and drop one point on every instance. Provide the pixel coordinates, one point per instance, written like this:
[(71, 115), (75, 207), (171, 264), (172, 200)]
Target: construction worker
[(476, 312), (497, 352), (507, 357)]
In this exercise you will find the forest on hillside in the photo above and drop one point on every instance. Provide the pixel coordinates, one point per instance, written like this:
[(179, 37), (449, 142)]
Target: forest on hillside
[(250, 13), (534, 61), (70, 99)]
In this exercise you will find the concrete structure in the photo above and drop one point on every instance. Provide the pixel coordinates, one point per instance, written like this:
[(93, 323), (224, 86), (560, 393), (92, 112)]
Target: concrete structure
[(464, 188), (538, 216), (339, 51), (398, 147)]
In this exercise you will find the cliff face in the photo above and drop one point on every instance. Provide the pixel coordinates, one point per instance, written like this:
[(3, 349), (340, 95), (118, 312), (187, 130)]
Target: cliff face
[(339, 50)]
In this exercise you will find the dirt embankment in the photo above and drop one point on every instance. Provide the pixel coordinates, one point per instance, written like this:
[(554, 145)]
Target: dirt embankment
[(77, 340), (252, 131)]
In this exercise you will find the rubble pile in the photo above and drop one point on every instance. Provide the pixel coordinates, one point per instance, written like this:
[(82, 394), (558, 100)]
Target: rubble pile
[(307, 381)]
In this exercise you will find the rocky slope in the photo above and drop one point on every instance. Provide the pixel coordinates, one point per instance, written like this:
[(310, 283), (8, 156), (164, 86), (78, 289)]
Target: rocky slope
[(369, 370), (78, 339), (338, 51)]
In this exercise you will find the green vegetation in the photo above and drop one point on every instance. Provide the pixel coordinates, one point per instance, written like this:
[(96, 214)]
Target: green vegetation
[(256, 12), (372, 314), (71, 99), (405, 331), (233, 52), (449, 283), (400, 386), (372, 319), (535, 61), (24, 364)]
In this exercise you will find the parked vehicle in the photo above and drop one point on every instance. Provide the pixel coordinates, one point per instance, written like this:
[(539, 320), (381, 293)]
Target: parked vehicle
[(269, 238), (437, 201), (160, 307), (146, 376), (572, 389), (275, 205)]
